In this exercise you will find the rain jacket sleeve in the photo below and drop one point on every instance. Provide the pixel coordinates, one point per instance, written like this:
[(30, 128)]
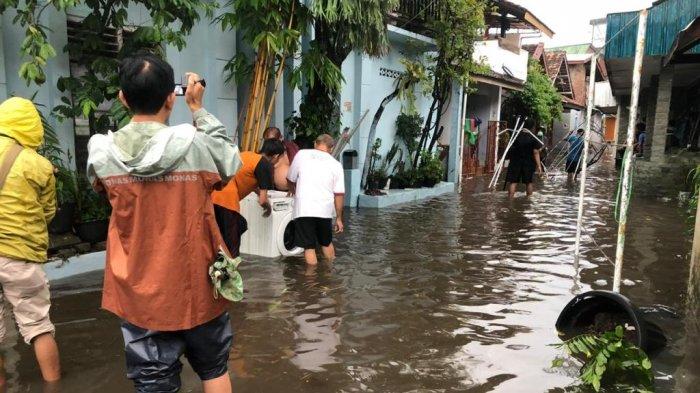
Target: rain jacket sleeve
[(47, 198), (223, 151)]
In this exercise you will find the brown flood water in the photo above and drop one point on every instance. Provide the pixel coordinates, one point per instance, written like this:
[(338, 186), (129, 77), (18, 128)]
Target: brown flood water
[(457, 294)]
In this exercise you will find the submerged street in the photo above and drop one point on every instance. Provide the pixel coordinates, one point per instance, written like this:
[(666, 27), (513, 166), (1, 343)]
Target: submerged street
[(458, 293)]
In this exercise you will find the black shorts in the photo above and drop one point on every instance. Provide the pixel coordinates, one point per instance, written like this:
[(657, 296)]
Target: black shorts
[(310, 231), (153, 357), (520, 173), (232, 226), (573, 166)]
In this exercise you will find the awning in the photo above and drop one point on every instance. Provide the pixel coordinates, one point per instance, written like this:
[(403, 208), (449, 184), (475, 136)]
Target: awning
[(685, 40), (515, 16)]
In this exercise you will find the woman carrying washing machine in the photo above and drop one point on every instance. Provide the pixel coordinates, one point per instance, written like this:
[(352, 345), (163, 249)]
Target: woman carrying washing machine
[(254, 176)]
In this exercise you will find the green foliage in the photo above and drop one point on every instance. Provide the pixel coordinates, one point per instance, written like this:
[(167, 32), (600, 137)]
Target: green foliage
[(91, 205), (376, 177), (272, 25), (458, 25), (171, 22), (430, 170), (539, 100), (414, 76), (319, 111), (339, 28), (610, 360), (66, 184), (408, 130)]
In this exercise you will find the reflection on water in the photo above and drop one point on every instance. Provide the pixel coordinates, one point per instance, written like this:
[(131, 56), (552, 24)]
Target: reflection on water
[(456, 294)]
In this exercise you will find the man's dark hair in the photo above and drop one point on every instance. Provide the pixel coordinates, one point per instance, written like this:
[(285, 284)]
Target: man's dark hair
[(580, 131), (641, 127), (146, 82), (272, 147), (529, 123)]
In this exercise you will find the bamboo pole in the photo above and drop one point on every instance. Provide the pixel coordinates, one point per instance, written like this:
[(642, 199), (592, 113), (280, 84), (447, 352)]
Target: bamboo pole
[(499, 166), (584, 159), (252, 100), (627, 163), (260, 105), (278, 75)]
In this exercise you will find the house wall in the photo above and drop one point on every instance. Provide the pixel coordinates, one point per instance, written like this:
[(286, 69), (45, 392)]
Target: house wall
[(497, 58), (47, 95), (207, 60), (367, 82)]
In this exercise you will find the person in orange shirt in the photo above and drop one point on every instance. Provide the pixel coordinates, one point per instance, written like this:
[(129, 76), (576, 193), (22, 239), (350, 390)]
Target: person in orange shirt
[(256, 175)]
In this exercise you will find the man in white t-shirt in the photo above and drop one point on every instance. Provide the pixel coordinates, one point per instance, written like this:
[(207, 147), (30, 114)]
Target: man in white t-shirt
[(316, 180)]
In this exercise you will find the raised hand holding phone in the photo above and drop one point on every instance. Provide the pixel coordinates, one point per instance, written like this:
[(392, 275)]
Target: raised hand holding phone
[(194, 92)]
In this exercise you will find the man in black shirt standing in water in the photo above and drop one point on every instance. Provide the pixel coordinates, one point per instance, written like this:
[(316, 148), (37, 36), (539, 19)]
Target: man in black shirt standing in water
[(524, 156)]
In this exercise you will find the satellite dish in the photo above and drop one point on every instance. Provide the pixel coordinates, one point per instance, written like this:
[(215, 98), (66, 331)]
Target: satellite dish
[(507, 71)]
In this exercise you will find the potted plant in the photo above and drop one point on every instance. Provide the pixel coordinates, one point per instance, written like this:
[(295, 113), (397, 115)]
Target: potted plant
[(430, 170), (94, 211), (66, 195), (376, 177)]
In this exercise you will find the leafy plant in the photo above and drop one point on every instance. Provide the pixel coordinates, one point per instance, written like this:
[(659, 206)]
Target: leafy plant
[(538, 101), (66, 183), (91, 205), (408, 130), (389, 158), (377, 176), (339, 28), (171, 22), (609, 360), (403, 178), (430, 170), (458, 25)]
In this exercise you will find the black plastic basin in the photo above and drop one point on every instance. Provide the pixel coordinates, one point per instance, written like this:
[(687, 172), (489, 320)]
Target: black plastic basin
[(582, 312)]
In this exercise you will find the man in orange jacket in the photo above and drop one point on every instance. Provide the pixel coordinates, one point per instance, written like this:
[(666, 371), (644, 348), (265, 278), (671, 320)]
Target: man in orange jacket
[(255, 175)]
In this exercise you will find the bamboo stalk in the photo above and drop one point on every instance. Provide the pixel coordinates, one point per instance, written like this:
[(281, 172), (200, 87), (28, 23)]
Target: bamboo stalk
[(253, 97), (278, 75)]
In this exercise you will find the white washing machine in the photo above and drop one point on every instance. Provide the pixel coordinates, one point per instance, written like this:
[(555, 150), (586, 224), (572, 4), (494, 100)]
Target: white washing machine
[(271, 236)]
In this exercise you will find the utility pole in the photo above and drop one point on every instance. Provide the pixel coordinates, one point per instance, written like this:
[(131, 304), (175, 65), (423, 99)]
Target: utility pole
[(629, 151)]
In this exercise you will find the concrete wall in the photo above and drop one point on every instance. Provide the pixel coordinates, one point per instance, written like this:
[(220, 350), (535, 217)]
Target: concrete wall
[(206, 59), (661, 114), (491, 53), (47, 95)]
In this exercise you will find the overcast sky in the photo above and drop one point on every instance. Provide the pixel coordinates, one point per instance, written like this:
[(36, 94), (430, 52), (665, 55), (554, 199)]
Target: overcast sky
[(570, 19)]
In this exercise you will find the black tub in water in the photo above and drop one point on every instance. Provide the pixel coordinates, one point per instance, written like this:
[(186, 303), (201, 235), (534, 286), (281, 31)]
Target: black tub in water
[(584, 312)]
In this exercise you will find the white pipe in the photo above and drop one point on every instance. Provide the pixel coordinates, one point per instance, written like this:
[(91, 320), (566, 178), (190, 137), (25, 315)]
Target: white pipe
[(584, 159), (499, 168), (627, 163), (462, 122)]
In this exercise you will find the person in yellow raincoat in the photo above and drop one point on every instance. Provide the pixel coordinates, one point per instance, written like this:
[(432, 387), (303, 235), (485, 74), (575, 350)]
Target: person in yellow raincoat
[(27, 205)]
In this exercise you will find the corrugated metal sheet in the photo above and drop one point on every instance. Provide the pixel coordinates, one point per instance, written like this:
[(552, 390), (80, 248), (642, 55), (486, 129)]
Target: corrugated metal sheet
[(665, 20)]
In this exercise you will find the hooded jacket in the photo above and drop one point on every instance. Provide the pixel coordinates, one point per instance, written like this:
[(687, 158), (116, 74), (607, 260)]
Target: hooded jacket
[(28, 199), (162, 233)]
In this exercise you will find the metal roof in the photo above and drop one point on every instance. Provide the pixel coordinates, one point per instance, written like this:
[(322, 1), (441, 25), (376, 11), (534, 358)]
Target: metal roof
[(666, 19)]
